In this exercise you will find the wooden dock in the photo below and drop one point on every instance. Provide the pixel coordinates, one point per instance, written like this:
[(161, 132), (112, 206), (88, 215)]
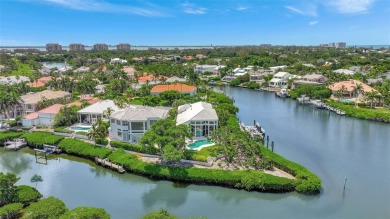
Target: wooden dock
[(107, 163), (255, 131), (16, 144)]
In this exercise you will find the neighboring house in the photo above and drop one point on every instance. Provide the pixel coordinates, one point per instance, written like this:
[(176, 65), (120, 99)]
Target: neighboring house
[(131, 123), (129, 70), (274, 68), (100, 88), (354, 68), (44, 71), (200, 56), (149, 79), (349, 88), (201, 117), (181, 88), (40, 82), (30, 100), (118, 60), (313, 79), (200, 69), (65, 69), (372, 81), (91, 113), (279, 79), (43, 116), (344, 71), (11, 80), (175, 79), (82, 69)]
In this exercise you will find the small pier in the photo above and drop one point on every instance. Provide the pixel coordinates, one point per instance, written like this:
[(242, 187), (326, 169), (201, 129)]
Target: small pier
[(16, 144), (255, 131), (107, 163), (47, 149)]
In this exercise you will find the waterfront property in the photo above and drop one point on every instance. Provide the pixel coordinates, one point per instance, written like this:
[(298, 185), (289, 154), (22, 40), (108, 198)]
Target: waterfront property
[(42, 117), (348, 88), (313, 79), (90, 114), (181, 88), (30, 101), (201, 117), (279, 79), (131, 123)]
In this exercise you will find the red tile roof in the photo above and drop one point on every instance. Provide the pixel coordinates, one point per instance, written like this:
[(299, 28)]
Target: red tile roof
[(350, 85), (31, 116), (178, 87), (53, 109)]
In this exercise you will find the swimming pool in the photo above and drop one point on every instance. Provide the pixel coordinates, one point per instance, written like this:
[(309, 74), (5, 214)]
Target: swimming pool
[(344, 100), (200, 144), (80, 128)]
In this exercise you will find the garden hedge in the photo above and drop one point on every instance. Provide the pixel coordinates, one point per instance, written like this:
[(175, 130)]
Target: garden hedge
[(27, 195), (83, 149), (134, 147), (4, 136), (48, 208), (38, 139), (306, 181), (11, 210)]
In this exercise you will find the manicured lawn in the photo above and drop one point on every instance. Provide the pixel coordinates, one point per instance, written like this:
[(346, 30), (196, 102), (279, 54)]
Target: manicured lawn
[(136, 102), (23, 69), (200, 155)]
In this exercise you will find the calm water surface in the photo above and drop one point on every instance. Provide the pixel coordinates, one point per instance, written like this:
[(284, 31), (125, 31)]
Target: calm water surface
[(333, 147)]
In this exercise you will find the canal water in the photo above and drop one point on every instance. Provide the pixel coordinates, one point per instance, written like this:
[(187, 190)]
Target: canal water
[(331, 146)]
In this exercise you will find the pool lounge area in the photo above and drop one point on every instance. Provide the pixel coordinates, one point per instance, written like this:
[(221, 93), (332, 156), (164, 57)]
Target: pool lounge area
[(80, 127), (198, 145)]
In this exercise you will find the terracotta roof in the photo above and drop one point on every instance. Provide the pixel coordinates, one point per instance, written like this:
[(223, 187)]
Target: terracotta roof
[(33, 98), (36, 84), (129, 70), (53, 109), (350, 85), (77, 103), (31, 116), (45, 79), (178, 87), (145, 77)]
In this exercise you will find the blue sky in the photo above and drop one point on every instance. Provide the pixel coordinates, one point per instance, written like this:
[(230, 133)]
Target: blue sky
[(196, 22)]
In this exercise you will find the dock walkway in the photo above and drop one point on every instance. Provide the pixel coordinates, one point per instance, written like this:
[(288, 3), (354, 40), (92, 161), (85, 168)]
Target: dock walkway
[(16, 144), (107, 163), (255, 130)]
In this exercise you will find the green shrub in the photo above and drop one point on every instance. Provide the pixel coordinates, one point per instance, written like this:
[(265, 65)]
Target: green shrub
[(134, 147), (160, 214), (48, 208), (27, 194), (11, 210), (4, 136), (86, 213), (200, 155), (83, 149), (101, 141), (63, 130), (38, 139), (306, 181)]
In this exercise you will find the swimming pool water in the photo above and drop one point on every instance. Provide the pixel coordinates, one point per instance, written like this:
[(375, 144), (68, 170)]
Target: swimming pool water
[(80, 129), (198, 144)]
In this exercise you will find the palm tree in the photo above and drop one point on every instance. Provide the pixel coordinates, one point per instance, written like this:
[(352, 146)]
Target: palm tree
[(98, 130), (357, 89), (371, 97), (9, 99)]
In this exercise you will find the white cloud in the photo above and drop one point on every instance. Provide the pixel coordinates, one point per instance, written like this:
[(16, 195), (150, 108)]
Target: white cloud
[(242, 8), (350, 6), (102, 6), (306, 10), (191, 8), (311, 23)]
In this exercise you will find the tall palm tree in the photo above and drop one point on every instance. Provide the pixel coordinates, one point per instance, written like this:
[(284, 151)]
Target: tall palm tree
[(9, 99), (357, 90), (371, 97)]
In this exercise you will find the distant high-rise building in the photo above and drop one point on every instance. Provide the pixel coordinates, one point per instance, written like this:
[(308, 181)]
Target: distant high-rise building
[(324, 45), (123, 46), (341, 45), (98, 47), (332, 44), (265, 45), (53, 47), (76, 47)]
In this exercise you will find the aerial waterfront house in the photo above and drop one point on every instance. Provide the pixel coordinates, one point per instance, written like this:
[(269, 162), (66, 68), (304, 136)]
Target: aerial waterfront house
[(279, 79), (181, 88), (313, 79), (30, 100), (349, 87), (201, 117), (42, 117), (130, 124), (91, 113)]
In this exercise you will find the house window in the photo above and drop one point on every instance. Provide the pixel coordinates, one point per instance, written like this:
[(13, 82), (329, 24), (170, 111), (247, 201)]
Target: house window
[(137, 126), (112, 121), (28, 106), (118, 122), (125, 123), (119, 133)]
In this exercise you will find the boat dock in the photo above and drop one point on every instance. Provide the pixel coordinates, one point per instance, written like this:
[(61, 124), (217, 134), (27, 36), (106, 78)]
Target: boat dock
[(320, 105), (16, 144), (255, 130), (107, 163)]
